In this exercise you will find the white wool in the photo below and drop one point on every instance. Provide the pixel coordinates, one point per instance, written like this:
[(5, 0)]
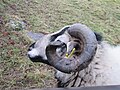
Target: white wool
[(109, 65)]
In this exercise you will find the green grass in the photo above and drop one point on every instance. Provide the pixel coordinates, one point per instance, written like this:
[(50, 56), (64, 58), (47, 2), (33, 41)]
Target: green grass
[(16, 70)]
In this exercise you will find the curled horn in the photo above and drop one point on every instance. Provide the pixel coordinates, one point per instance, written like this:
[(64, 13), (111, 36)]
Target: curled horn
[(88, 44)]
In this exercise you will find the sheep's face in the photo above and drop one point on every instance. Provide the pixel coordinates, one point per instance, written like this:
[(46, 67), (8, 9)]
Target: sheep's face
[(36, 51)]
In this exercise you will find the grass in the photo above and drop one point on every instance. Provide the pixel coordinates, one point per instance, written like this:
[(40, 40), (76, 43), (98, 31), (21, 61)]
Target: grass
[(16, 70)]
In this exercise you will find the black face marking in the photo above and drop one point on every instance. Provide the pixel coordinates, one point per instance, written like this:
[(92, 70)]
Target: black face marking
[(39, 59), (58, 34)]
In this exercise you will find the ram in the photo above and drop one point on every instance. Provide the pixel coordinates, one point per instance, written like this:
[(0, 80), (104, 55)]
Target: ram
[(90, 61)]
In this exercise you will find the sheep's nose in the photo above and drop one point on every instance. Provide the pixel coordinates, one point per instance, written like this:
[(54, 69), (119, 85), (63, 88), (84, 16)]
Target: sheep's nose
[(33, 53)]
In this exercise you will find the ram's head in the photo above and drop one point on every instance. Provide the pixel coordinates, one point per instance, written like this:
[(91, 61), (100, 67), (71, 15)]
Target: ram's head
[(80, 38), (85, 43)]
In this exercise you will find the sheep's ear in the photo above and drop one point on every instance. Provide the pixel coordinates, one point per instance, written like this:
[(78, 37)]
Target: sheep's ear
[(98, 37), (36, 36)]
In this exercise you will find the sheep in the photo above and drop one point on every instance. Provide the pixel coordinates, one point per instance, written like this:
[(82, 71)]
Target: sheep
[(94, 62)]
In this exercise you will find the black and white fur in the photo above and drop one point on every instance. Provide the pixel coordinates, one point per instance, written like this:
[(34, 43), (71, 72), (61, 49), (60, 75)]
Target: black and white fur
[(36, 51)]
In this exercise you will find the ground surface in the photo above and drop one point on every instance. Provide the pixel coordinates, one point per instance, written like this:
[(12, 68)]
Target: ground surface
[(16, 70)]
